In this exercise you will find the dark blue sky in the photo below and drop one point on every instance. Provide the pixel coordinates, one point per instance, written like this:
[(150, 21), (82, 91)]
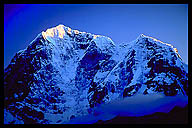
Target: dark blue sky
[(122, 23)]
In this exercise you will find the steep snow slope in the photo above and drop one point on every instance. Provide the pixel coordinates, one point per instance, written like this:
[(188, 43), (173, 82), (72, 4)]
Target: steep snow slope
[(64, 73), (55, 71), (149, 66)]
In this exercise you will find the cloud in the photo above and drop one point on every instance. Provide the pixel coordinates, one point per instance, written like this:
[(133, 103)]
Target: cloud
[(138, 105)]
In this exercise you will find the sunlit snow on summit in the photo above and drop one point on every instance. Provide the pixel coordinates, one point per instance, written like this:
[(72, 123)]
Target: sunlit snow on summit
[(56, 31)]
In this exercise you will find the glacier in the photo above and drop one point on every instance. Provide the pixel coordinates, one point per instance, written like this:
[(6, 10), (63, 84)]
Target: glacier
[(65, 74)]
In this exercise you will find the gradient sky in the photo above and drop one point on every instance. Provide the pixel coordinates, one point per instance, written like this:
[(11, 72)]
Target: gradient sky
[(120, 22)]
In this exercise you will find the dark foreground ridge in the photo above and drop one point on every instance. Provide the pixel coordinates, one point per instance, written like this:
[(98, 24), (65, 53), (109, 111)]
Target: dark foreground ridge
[(177, 115)]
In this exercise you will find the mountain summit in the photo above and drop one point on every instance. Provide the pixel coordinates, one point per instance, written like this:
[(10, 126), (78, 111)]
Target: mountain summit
[(65, 73)]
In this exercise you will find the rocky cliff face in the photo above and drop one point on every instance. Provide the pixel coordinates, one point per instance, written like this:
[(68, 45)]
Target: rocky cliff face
[(65, 73)]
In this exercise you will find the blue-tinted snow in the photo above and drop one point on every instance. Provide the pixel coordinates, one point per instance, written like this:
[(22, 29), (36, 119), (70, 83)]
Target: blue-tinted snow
[(11, 119)]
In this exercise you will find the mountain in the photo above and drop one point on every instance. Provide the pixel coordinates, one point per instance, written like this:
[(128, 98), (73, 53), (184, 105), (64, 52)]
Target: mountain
[(65, 73)]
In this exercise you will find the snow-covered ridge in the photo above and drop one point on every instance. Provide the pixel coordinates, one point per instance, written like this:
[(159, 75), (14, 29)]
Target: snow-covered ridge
[(154, 40), (61, 31), (69, 36)]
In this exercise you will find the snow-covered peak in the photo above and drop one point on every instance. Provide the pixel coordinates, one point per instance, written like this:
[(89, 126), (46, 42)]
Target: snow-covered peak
[(61, 31), (65, 73), (154, 40), (146, 39), (66, 36), (57, 31)]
